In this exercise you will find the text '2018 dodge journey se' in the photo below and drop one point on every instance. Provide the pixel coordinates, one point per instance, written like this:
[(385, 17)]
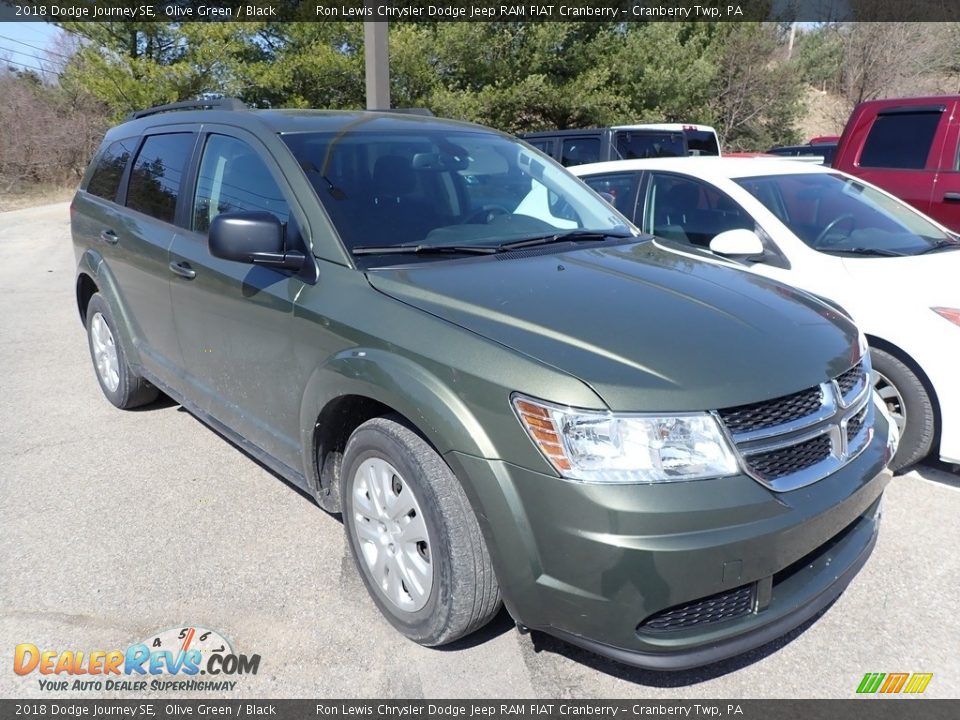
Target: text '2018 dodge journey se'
[(506, 391)]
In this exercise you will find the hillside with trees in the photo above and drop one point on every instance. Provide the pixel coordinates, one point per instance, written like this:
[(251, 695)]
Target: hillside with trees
[(752, 81)]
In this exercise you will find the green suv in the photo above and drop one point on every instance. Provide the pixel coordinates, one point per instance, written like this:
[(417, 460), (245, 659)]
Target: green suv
[(507, 392)]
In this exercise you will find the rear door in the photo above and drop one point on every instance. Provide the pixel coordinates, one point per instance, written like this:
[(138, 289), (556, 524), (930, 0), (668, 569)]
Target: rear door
[(234, 320), (901, 151), (945, 197), (136, 240)]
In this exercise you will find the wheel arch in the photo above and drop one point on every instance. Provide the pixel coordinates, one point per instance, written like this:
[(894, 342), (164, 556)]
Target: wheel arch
[(94, 276), (86, 289), (905, 357), (357, 385)]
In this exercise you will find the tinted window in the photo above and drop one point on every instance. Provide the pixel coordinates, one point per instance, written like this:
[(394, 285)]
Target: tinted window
[(580, 151), (233, 178), (650, 144), (701, 142), (155, 179), (900, 140), (105, 180), (622, 186), (544, 146), (691, 211)]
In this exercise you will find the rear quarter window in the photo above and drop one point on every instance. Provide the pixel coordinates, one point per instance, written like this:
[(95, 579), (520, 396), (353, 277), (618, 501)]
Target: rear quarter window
[(900, 140), (105, 181), (155, 179)]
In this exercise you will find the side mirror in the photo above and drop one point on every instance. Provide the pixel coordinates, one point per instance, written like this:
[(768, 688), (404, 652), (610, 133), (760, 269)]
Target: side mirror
[(252, 237), (737, 243), (611, 200)]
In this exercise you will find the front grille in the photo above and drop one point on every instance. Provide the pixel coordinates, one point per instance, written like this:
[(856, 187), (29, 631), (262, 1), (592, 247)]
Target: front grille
[(797, 439), (770, 413), (850, 380), (727, 605), (791, 458), (855, 423)]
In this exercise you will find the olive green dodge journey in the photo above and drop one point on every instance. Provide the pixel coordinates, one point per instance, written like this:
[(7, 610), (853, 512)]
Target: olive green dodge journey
[(507, 392)]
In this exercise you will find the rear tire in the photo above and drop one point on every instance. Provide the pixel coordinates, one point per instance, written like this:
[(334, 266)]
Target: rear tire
[(414, 536), (909, 404), (120, 384)]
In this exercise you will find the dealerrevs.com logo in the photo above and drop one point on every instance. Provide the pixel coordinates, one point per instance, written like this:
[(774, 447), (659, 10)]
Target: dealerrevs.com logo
[(170, 660)]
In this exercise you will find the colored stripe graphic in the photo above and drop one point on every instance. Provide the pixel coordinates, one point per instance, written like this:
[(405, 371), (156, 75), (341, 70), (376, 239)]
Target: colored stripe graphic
[(918, 682), (894, 682), (907, 683), (870, 683)]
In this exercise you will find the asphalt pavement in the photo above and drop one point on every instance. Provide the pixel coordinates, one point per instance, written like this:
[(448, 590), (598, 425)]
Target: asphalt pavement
[(116, 525)]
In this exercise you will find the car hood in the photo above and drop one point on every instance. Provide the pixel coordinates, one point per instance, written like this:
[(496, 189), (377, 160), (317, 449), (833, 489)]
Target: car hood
[(648, 328)]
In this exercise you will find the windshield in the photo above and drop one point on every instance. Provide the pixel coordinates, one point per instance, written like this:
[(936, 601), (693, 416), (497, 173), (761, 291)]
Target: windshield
[(835, 214), (443, 187)]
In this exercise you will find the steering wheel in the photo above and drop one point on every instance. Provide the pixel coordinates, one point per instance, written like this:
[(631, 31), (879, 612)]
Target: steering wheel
[(486, 215), (831, 226)]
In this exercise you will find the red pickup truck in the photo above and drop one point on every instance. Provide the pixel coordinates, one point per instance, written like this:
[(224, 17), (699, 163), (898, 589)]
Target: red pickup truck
[(909, 147)]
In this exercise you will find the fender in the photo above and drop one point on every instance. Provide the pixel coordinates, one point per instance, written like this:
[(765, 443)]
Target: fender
[(406, 387), (91, 263)]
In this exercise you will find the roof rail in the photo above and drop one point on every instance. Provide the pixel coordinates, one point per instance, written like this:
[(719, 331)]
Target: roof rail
[(426, 112), (202, 104)]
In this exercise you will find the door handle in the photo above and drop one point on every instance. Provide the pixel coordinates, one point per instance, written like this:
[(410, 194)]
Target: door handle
[(183, 269), (109, 236), (951, 197)]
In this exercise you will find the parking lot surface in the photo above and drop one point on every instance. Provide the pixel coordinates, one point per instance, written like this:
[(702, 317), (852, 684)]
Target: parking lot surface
[(117, 525)]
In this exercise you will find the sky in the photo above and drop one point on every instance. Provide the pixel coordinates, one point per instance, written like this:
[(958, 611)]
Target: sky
[(13, 35)]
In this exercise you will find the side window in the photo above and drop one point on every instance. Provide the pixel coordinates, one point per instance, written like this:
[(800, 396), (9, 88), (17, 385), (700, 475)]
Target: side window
[(155, 178), (650, 144), (690, 211), (579, 151), (105, 180), (544, 146), (233, 178), (623, 187), (900, 140)]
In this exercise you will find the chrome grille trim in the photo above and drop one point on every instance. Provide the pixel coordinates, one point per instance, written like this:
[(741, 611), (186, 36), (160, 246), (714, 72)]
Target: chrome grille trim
[(836, 413)]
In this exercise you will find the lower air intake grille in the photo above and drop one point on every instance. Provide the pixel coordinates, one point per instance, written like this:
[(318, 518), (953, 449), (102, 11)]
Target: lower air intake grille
[(716, 608)]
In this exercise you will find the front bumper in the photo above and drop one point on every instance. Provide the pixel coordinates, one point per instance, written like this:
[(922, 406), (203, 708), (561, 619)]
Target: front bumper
[(602, 566)]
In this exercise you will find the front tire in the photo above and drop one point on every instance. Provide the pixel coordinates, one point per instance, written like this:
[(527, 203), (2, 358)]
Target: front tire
[(909, 405), (120, 384), (414, 536)]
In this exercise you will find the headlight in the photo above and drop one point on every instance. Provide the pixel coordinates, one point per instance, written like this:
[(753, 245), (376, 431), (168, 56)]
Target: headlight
[(951, 314), (604, 447)]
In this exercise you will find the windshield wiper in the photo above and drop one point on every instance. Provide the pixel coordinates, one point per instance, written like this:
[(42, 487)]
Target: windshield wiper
[(424, 250), (571, 236), (940, 245), (879, 252)]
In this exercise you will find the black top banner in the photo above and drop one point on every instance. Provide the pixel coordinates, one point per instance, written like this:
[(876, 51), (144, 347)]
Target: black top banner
[(621, 11), (543, 709)]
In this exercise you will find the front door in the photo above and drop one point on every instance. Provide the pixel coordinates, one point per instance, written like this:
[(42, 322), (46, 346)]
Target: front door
[(233, 319)]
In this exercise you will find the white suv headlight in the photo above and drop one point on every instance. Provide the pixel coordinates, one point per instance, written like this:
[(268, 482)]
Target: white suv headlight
[(604, 447)]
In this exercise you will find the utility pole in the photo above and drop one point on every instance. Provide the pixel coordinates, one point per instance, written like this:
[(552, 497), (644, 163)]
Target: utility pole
[(376, 54)]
